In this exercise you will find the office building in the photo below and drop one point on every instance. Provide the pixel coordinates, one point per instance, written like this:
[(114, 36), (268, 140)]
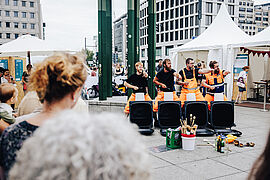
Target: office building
[(19, 17)]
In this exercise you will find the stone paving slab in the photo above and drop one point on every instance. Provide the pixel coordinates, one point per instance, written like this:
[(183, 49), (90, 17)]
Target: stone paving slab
[(204, 162)]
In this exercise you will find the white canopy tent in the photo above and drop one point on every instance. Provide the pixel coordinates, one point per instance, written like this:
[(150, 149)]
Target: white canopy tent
[(217, 39), (26, 44)]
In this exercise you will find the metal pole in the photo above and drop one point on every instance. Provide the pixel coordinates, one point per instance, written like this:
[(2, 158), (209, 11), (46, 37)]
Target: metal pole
[(108, 63), (131, 39), (265, 95), (101, 49), (151, 45), (137, 30)]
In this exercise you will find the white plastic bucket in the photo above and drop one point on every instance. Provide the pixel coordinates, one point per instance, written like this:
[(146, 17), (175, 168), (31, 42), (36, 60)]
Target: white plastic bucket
[(188, 143)]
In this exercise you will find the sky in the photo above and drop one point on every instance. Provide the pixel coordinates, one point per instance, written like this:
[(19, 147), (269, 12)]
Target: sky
[(68, 24)]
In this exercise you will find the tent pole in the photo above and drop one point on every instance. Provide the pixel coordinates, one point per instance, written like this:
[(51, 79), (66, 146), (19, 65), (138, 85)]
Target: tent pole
[(28, 55)]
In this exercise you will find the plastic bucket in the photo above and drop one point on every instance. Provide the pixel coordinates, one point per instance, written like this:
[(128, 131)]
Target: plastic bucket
[(188, 143)]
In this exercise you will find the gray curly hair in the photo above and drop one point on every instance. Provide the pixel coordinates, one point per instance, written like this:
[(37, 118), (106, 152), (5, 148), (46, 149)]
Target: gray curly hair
[(80, 146)]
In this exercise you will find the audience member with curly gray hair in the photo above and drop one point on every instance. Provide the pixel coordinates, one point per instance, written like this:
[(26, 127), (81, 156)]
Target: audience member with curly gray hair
[(83, 146)]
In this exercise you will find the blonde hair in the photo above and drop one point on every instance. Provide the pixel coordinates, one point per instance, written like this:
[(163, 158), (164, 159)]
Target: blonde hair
[(57, 76), (7, 91), (138, 64)]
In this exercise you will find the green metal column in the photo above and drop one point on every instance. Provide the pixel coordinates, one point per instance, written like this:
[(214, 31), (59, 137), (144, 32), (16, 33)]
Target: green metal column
[(137, 30), (151, 45), (131, 39), (108, 64), (102, 49)]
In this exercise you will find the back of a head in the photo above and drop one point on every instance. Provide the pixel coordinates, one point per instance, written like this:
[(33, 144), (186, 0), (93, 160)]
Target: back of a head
[(212, 64), (80, 146), (57, 76), (7, 91)]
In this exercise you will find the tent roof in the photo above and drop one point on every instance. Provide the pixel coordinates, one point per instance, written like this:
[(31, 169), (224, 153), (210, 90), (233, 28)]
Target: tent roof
[(260, 39), (222, 31), (25, 43)]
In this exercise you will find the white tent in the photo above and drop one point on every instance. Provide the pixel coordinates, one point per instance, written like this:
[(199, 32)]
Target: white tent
[(27, 44), (216, 39)]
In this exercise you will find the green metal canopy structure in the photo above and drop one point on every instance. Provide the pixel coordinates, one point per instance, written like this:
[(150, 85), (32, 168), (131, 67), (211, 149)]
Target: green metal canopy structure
[(105, 43)]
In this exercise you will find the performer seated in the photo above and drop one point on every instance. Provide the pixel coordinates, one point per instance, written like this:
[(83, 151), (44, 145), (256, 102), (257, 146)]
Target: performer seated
[(165, 79), (190, 76), (138, 82), (214, 82)]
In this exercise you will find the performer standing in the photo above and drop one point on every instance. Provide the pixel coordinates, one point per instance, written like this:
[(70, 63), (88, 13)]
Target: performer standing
[(137, 82), (190, 76), (165, 79), (214, 81)]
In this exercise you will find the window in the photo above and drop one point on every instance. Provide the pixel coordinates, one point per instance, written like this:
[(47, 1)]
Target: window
[(16, 36), (157, 38), (8, 35), (218, 7), (186, 10), (176, 24), (265, 19), (161, 27), (15, 2), (167, 49), (171, 36), (24, 25), (176, 35), (181, 35), (242, 15), (242, 9), (23, 14), (16, 25), (258, 18), (16, 13), (166, 26), (8, 24), (32, 4), (172, 3), (158, 51), (186, 22), (166, 37), (231, 9), (196, 32), (32, 26), (32, 15), (191, 8), (181, 11), (249, 10), (208, 19), (172, 14), (162, 5), (7, 13), (186, 34), (6, 2), (162, 16), (167, 4), (209, 7), (265, 13), (181, 2), (190, 33), (177, 12), (181, 23), (0, 24), (143, 52), (158, 17), (0, 35), (196, 20), (157, 6), (23, 3), (166, 15), (171, 25), (191, 21), (176, 2), (162, 37)]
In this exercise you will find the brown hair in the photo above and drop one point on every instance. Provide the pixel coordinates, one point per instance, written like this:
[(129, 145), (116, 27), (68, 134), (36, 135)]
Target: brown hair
[(245, 67), (57, 76), (165, 61), (7, 91), (212, 64)]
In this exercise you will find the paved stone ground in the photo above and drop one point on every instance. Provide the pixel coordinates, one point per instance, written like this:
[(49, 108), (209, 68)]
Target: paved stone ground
[(204, 162)]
